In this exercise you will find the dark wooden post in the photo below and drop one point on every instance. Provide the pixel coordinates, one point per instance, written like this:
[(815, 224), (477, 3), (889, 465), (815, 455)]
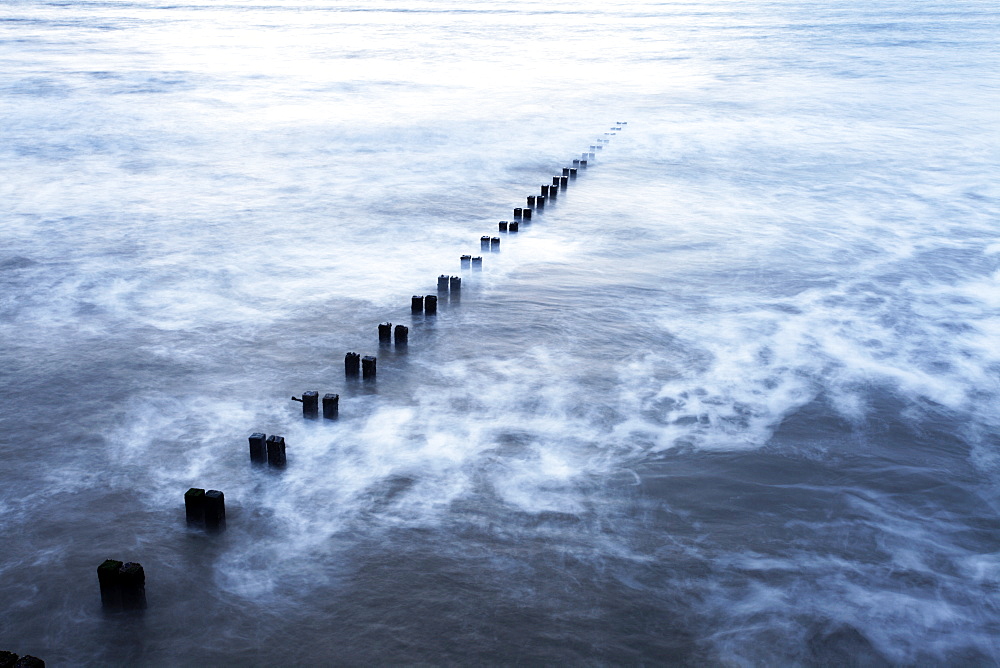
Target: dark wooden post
[(368, 366), (402, 335), (194, 505), (310, 404), (331, 403), (416, 304), (352, 364), (132, 580), (385, 329), (215, 510), (108, 579), (430, 304), (276, 451), (258, 448)]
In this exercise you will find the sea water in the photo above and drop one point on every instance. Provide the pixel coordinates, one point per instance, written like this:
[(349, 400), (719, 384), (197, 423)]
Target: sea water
[(731, 399)]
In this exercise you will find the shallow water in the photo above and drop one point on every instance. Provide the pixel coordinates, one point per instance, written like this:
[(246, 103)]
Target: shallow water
[(731, 400)]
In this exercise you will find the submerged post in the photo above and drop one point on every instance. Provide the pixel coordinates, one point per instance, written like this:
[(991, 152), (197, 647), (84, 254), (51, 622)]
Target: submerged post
[(484, 242), (331, 403), (258, 448), (503, 225), (194, 505), (456, 283), (352, 364), (430, 304), (512, 227), (495, 244), (132, 580), (385, 331), (416, 304), (310, 404), (108, 579), (215, 510), (402, 335), (276, 451), (477, 263), (368, 366), (443, 283)]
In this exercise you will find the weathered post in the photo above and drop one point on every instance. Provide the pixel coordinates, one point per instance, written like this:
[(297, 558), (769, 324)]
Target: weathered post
[(583, 164), (402, 334), (484, 242), (563, 182), (352, 364), (385, 330), (518, 211), (465, 259), (416, 304), (331, 402), (215, 510), (108, 579), (572, 172), (565, 171), (456, 283), (553, 191), (258, 448), (443, 283), (310, 405), (495, 244), (368, 367), (512, 227), (526, 214), (531, 201), (276, 451), (503, 225), (132, 580), (430, 304), (194, 505), (477, 263)]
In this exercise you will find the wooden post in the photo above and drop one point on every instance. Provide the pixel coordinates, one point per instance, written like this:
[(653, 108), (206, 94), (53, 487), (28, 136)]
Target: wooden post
[(402, 334), (430, 304), (310, 404), (276, 451), (132, 580), (352, 364), (194, 505), (331, 402), (385, 329), (416, 304), (108, 579), (215, 510), (258, 448), (368, 366)]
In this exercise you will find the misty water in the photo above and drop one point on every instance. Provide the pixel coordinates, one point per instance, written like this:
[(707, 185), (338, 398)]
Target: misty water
[(731, 400)]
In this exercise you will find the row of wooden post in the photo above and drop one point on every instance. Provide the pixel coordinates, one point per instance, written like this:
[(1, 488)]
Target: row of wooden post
[(123, 584)]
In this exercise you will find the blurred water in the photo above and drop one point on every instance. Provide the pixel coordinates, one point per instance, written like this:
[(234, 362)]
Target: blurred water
[(730, 401)]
